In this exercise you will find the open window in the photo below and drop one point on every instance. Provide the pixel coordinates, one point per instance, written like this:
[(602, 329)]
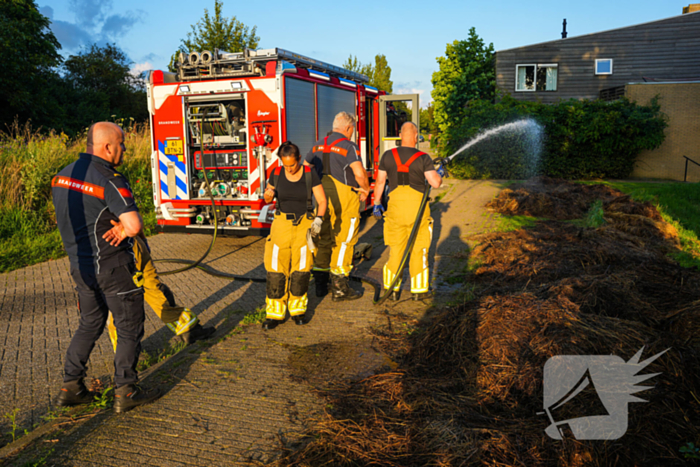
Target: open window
[(536, 77)]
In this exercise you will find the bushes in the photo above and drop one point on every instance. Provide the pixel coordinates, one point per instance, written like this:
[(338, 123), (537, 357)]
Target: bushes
[(583, 139), (28, 162)]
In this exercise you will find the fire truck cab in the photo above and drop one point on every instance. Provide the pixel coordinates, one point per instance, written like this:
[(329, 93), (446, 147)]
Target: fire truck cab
[(219, 120)]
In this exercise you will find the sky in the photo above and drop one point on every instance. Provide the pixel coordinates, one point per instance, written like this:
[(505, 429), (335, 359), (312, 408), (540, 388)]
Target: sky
[(410, 34)]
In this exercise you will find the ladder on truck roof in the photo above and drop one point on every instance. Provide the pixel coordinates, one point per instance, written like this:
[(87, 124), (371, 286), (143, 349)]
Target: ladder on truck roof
[(219, 64)]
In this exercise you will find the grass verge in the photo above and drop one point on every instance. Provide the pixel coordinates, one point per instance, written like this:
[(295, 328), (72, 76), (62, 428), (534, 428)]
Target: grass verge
[(679, 204)]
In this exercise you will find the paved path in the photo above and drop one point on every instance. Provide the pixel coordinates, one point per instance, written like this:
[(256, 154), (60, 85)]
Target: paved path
[(235, 399)]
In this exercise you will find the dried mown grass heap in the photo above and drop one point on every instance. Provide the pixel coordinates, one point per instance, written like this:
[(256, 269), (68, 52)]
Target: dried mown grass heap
[(469, 385)]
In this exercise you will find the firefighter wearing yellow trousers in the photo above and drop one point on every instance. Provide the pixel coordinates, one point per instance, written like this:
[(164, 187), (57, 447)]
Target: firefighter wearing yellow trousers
[(346, 185), (406, 169), (178, 319), (288, 250)]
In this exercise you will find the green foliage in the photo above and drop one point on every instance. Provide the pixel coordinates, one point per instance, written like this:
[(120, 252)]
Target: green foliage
[(509, 223), (583, 139), (679, 205), (381, 76), (164, 353), (28, 53), (353, 64), (104, 400), (28, 162), (427, 120), (217, 32), (595, 215), (254, 317), (690, 451), (98, 86), (12, 418), (467, 72), (379, 73)]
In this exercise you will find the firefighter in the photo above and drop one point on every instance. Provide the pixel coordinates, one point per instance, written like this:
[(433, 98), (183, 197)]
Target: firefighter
[(407, 170), (346, 184), (179, 320), (87, 195), (288, 256)]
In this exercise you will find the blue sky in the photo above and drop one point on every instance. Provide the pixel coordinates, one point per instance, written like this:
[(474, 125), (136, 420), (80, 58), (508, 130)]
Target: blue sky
[(411, 34)]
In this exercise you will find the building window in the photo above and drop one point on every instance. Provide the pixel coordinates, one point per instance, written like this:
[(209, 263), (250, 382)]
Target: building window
[(540, 77), (603, 66)]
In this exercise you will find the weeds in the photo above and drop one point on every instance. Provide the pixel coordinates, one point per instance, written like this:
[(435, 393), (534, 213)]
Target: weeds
[(104, 400), (254, 317), (28, 162), (12, 417), (167, 352), (690, 451)]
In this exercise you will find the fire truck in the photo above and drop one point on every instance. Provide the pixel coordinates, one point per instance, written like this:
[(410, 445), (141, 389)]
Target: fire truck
[(216, 125)]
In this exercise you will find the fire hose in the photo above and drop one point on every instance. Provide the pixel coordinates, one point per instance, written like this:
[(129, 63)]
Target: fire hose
[(377, 300)]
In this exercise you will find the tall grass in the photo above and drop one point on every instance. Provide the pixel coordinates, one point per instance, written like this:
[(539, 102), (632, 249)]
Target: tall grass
[(28, 162)]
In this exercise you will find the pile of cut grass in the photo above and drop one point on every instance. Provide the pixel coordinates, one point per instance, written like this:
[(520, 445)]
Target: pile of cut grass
[(469, 385)]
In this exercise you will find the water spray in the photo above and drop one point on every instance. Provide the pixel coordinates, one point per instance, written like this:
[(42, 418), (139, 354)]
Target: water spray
[(524, 125)]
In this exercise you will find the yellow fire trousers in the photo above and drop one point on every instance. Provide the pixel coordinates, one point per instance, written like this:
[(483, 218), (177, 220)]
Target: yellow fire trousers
[(340, 229), (288, 263), (158, 296), (400, 216)]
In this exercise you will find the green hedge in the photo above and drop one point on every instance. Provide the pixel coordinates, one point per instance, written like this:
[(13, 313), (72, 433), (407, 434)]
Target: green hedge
[(581, 139)]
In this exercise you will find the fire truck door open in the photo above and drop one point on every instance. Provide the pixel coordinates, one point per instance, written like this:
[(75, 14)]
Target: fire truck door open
[(394, 111)]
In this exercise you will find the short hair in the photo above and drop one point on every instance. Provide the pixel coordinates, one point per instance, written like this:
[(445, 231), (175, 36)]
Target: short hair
[(343, 120), (289, 149)]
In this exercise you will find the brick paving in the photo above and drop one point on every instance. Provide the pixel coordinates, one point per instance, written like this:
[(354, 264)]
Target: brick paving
[(230, 402)]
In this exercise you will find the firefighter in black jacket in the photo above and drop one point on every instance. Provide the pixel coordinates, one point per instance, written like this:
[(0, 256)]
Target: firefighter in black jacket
[(288, 256), (88, 195), (346, 185), (406, 169)]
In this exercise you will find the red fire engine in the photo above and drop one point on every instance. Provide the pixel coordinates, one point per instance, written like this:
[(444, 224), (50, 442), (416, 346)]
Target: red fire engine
[(229, 112)]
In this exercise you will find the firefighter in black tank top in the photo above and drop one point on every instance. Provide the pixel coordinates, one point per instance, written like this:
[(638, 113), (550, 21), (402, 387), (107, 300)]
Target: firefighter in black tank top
[(288, 258), (406, 169)]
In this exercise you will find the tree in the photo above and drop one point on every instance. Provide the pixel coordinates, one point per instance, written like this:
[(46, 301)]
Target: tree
[(101, 87), (426, 119), (379, 74), (29, 53), (217, 32), (467, 72), (353, 64)]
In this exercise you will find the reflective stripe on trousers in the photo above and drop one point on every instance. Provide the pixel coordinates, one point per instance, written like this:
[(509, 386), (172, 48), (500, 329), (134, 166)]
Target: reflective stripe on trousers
[(400, 216), (340, 229), (286, 252)]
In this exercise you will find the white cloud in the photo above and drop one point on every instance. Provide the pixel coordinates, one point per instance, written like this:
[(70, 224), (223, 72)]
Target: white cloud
[(424, 98), (139, 68)]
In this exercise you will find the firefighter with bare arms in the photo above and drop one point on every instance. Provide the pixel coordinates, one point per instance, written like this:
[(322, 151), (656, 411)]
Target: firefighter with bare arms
[(406, 169)]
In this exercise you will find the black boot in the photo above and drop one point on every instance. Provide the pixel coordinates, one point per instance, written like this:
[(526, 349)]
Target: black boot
[(270, 324), (341, 291), (395, 295), (130, 395), (75, 393), (321, 280), (299, 320), (197, 333)]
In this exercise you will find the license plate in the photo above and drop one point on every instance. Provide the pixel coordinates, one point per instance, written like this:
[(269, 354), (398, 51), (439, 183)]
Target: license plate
[(173, 146)]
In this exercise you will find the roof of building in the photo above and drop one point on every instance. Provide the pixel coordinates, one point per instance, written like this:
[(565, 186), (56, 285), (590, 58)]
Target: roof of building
[(602, 32)]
